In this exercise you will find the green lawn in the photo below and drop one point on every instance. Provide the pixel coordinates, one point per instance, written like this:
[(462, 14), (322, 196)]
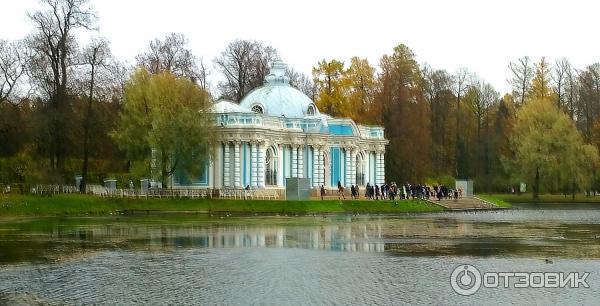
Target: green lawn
[(544, 198), (28, 205)]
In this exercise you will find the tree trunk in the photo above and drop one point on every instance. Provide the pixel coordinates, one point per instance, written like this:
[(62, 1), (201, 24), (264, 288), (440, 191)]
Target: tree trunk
[(163, 169), (86, 133), (456, 146), (536, 184)]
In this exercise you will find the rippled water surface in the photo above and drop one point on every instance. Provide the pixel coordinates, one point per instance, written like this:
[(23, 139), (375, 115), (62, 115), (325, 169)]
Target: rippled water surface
[(197, 259)]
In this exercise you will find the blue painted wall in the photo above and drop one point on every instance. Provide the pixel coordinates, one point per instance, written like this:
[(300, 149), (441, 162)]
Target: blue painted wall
[(336, 166), (340, 129)]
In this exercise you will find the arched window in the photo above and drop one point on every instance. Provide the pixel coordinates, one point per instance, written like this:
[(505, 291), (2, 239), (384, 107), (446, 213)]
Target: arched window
[(311, 110), (257, 109)]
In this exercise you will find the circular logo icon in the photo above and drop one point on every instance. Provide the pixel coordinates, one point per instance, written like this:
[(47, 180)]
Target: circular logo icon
[(465, 279)]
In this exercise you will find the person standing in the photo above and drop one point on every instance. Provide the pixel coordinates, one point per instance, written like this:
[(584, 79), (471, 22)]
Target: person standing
[(341, 191)]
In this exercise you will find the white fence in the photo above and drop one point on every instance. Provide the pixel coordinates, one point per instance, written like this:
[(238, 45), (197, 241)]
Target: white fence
[(201, 193)]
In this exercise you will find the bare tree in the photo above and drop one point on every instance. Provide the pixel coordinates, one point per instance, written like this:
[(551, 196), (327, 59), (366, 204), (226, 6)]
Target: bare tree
[(523, 72), (95, 60), (244, 64), (589, 101), (171, 54), (302, 82), (51, 48), (119, 74), (562, 68), (571, 92), (437, 89), (460, 88), (11, 69), (485, 97)]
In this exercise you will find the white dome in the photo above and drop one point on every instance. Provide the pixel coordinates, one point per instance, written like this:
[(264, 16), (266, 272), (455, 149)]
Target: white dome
[(278, 98), (224, 106)]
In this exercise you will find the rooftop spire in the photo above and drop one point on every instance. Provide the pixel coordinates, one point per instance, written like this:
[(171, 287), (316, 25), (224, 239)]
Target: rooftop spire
[(277, 73)]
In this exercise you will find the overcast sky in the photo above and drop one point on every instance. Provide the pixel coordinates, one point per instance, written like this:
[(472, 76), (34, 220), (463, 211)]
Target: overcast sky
[(483, 36)]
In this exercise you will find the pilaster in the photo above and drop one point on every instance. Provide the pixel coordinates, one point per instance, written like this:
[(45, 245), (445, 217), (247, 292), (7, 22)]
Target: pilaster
[(301, 161), (261, 149), (294, 161), (226, 166), (254, 164), (347, 171)]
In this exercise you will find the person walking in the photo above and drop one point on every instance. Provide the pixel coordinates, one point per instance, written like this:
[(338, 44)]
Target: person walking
[(341, 191)]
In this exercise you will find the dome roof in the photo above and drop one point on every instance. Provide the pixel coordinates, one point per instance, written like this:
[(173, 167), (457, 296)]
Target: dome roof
[(277, 98), (224, 106)]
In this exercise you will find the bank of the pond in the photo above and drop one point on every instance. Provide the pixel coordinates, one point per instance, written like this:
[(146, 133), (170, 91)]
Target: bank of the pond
[(28, 205), (494, 200), (543, 198)]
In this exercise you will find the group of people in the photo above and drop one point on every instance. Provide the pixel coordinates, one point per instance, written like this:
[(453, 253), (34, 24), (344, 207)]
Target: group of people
[(407, 191)]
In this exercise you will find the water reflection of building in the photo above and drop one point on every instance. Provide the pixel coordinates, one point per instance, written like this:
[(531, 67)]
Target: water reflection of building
[(345, 237), (352, 237)]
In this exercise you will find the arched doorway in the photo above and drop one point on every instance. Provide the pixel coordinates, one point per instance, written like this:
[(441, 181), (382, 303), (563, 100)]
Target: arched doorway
[(360, 169), (271, 167)]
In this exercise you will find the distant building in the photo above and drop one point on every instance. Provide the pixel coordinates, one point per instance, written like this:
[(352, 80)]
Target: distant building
[(277, 132)]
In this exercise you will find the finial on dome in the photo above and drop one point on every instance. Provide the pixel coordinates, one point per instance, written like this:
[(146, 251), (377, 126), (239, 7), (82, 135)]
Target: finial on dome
[(277, 73)]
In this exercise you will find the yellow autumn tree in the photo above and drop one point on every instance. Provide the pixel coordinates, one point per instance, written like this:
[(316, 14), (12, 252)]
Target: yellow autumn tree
[(361, 85), (540, 85), (329, 80)]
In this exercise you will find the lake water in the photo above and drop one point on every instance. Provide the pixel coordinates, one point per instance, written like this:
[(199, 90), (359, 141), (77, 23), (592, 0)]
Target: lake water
[(310, 260)]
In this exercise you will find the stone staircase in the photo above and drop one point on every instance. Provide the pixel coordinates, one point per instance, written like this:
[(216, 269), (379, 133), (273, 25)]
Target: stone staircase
[(466, 203)]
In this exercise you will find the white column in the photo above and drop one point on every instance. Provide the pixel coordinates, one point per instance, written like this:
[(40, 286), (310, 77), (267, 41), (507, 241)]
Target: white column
[(226, 166), (254, 165), (353, 167), (382, 168), (369, 175), (320, 166), (261, 165), (294, 161), (301, 161), (347, 168), (280, 174), (379, 168), (377, 161), (236, 165), (316, 167)]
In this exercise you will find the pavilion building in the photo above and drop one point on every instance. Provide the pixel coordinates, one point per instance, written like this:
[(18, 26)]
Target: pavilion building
[(277, 132)]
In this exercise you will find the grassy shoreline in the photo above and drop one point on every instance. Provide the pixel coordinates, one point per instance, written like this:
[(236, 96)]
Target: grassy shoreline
[(78, 205), (527, 198)]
